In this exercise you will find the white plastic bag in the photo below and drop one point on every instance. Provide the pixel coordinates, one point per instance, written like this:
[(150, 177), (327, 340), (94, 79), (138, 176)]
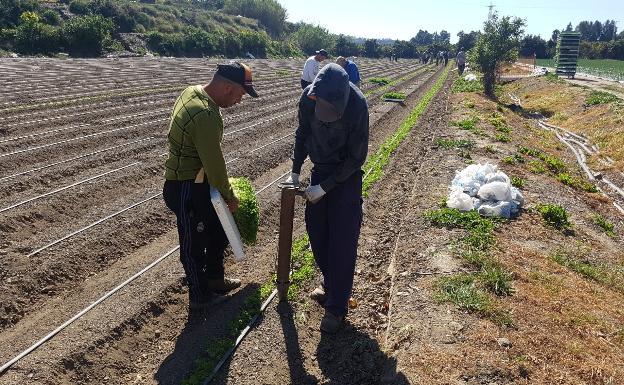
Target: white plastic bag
[(496, 209), (495, 191), (470, 77), (498, 176), (459, 200)]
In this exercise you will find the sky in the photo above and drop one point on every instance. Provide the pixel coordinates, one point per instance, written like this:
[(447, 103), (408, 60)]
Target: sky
[(401, 19)]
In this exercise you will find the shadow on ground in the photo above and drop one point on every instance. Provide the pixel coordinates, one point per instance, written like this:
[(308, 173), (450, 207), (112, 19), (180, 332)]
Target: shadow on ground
[(200, 328)]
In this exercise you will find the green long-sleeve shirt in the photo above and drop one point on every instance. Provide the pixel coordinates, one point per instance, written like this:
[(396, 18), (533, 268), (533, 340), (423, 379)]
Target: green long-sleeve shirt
[(195, 135)]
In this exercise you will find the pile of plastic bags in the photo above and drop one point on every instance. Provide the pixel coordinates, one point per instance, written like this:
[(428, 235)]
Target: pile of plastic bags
[(470, 77), (483, 188)]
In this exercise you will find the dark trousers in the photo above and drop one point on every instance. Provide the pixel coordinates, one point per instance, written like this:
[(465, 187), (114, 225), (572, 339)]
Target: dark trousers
[(202, 239), (304, 84), (460, 68), (333, 225)]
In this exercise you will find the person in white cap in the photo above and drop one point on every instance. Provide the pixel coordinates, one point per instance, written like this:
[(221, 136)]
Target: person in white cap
[(311, 67)]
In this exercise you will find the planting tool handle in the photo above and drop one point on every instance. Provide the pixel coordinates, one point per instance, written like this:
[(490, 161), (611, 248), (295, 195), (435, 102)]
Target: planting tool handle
[(287, 213)]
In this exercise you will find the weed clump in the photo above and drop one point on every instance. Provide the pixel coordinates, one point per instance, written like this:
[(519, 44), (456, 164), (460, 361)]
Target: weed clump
[(454, 143), (555, 216), (600, 97), (604, 224), (394, 95), (576, 183), (463, 85)]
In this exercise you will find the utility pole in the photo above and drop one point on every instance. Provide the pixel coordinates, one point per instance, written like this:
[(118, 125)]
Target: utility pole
[(491, 12)]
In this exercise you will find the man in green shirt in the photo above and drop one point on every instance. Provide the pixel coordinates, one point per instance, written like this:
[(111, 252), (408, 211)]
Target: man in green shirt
[(194, 164)]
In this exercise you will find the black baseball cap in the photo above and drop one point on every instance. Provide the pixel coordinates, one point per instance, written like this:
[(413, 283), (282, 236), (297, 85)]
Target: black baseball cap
[(238, 73), (322, 52)]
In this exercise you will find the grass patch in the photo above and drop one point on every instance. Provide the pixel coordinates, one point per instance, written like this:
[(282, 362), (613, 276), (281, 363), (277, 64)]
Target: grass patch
[(466, 124), (537, 167), (517, 182), (553, 78), (489, 149), (597, 273), (475, 246), (463, 290), (282, 73), (462, 85), (513, 159), (555, 216), (600, 97), (499, 123), (604, 224), (500, 137), (454, 143), (576, 183)]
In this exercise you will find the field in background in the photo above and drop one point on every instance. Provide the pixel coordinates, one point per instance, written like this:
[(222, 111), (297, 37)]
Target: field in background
[(607, 68)]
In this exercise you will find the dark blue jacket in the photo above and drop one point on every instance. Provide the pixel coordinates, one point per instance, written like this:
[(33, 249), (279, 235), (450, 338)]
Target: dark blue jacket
[(352, 71), (338, 148)]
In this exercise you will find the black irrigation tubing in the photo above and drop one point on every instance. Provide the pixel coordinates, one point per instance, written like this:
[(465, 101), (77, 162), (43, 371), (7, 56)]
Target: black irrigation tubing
[(78, 315), (29, 136), (122, 285), (74, 158), (55, 191), (121, 211), (79, 138)]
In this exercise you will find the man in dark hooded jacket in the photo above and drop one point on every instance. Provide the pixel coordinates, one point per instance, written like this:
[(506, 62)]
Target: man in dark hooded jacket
[(333, 132)]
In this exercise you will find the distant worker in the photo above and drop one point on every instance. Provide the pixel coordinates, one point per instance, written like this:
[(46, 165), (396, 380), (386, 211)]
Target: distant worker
[(461, 60), (351, 68), (311, 67), (333, 132), (196, 163), (445, 55)]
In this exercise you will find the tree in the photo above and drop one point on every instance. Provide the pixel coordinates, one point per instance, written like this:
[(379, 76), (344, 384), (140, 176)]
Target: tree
[(533, 44), (422, 38), (497, 44), (371, 48), (467, 40), (445, 37), (569, 28), (268, 12), (404, 49), (345, 46), (87, 35), (313, 37), (32, 36)]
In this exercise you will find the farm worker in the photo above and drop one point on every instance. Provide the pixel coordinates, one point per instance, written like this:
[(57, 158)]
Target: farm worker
[(311, 67), (333, 132), (461, 60), (195, 135), (351, 68), (445, 55)]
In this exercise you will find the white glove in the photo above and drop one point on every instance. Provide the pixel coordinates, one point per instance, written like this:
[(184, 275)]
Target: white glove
[(293, 179), (314, 193)]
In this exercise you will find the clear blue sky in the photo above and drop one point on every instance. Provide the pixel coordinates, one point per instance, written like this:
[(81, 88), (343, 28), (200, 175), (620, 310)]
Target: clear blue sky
[(401, 19)]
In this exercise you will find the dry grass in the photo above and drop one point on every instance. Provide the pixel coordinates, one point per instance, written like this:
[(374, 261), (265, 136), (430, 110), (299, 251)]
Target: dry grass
[(568, 327), (603, 124)]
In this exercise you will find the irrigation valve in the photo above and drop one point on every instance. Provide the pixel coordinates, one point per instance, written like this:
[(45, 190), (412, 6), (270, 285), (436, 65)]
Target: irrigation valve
[(287, 213)]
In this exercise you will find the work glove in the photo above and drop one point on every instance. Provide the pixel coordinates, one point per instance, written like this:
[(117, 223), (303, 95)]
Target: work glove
[(314, 193), (293, 179)]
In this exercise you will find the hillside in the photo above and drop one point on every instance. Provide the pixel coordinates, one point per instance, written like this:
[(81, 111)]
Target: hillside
[(164, 27)]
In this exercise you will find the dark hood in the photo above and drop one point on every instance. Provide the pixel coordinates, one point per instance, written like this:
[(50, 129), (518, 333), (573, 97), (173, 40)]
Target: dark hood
[(332, 85)]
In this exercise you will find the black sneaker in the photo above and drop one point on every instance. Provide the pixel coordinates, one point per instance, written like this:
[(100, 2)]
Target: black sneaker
[(208, 301), (331, 323), (222, 286)]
